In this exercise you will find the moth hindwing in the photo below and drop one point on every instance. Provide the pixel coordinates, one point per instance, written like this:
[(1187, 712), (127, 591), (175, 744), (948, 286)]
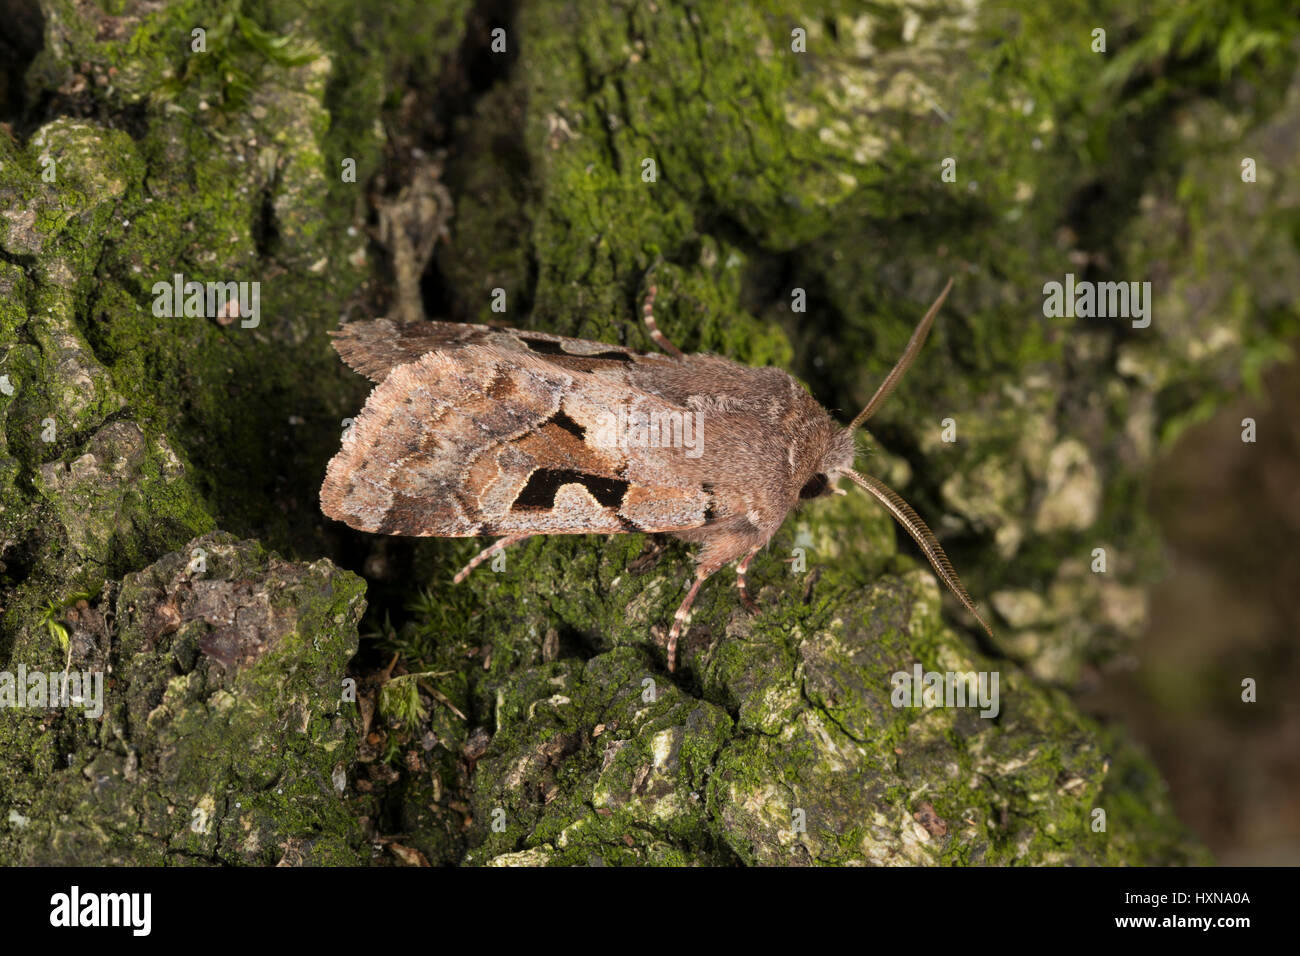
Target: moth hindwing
[(475, 430)]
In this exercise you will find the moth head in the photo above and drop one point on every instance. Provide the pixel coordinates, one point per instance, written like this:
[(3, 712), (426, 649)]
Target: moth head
[(830, 467)]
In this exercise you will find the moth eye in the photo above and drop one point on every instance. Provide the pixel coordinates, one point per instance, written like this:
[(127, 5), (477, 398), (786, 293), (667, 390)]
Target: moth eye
[(815, 486)]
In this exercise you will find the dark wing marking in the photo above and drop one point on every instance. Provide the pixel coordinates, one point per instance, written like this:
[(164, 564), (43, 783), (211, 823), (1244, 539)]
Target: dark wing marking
[(545, 482), (561, 420)]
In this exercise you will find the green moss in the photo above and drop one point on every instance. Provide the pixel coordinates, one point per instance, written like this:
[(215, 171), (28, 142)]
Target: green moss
[(821, 768), (598, 761), (196, 759)]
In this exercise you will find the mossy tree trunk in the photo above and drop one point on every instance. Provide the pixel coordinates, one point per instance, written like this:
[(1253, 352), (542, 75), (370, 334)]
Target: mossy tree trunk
[(149, 463)]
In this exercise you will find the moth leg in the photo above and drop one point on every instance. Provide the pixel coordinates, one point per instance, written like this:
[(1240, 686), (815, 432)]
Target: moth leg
[(750, 604), (683, 615), (661, 340), (486, 553)]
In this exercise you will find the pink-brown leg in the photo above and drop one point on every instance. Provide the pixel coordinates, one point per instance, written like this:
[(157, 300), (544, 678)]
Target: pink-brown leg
[(683, 615), (486, 553), (660, 339), (741, 569)]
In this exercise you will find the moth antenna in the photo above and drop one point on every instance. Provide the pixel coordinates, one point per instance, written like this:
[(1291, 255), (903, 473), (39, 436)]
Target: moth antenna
[(922, 535), (909, 354)]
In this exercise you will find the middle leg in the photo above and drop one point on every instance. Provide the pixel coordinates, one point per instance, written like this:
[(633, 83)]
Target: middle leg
[(683, 615), (488, 552)]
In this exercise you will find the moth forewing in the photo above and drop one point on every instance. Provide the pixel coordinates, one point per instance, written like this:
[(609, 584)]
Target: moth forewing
[(485, 439)]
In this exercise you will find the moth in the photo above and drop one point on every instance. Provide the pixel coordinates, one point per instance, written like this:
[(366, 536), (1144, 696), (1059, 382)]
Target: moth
[(475, 430)]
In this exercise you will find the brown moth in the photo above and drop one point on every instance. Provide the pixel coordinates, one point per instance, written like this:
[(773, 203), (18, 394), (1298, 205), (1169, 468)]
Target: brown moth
[(475, 430)]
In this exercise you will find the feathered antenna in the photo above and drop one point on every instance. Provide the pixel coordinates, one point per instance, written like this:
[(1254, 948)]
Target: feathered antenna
[(913, 347), (899, 508)]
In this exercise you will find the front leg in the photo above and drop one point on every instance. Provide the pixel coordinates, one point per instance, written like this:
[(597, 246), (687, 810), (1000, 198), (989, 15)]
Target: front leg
[(741, 569)]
